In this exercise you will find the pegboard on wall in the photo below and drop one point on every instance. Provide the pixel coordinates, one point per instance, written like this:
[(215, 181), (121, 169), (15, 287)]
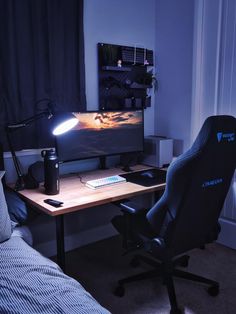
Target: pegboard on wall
[(125, 75)]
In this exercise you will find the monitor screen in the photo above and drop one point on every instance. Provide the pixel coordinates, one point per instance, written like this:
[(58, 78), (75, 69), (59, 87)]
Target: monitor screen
[(102, 133)]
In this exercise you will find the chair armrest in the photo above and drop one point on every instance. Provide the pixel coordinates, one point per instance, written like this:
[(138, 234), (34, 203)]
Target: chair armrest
[(131, 207)]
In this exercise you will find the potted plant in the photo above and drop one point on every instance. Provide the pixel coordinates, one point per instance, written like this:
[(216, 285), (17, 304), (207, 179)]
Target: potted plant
[(147, 79)]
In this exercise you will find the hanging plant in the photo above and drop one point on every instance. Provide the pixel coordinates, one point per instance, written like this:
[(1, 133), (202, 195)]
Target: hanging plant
[(147, 79)]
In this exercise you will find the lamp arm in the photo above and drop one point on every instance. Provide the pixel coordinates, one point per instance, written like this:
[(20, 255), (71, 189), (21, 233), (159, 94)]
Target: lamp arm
[(20, 184), (24, 123)]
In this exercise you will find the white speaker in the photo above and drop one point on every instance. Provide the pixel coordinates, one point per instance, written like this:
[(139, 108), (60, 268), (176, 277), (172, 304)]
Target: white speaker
[(158, 151)]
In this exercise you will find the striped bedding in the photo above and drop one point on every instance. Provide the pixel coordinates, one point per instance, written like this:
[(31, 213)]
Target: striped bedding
[(31, 283)]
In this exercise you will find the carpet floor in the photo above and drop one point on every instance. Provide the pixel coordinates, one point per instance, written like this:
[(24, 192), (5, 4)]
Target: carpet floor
[(99, 265)]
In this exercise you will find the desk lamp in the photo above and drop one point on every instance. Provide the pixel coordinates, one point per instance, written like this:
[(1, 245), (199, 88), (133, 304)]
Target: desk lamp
[(63, 122)]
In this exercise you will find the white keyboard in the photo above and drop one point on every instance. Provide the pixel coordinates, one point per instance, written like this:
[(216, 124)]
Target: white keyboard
[(98, 183)]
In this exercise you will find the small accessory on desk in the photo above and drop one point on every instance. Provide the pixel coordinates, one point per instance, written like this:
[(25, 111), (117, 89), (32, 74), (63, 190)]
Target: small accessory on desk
[(51, 172), (52, 202), (148, 177), (98, 183), (35, 175)]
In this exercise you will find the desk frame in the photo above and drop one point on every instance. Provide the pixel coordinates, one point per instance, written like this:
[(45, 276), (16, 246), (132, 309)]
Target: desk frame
[(76, 196)]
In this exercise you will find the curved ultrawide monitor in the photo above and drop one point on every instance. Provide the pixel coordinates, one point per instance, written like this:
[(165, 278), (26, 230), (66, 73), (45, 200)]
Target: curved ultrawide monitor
[(102, 133)]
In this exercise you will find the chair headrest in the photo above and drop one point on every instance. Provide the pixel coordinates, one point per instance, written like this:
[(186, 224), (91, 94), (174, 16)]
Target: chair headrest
[(216, 129)]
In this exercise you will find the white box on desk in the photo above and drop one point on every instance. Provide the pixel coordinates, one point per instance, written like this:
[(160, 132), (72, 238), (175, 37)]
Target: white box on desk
[(158, 151)]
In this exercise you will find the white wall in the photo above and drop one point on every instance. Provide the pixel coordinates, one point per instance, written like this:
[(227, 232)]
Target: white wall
[(122, 22), (174, 57)]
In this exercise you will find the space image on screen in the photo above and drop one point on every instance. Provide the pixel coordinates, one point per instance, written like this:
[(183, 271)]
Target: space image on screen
[(102, 133)]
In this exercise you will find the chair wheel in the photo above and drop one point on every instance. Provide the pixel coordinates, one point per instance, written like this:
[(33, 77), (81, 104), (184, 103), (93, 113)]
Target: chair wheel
[(119, 291), (135, 262), (213, 290)]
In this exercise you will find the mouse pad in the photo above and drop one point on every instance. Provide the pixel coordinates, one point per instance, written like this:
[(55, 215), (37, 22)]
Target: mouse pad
[(157, 176)]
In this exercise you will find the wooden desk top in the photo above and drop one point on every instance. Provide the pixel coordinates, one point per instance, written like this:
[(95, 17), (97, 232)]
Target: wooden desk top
[(76, 196)]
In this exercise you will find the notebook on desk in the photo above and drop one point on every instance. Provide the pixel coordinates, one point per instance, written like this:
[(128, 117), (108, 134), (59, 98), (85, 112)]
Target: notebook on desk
[(146, 177)]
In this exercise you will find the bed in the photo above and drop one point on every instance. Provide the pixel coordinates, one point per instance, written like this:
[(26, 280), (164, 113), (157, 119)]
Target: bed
[(30, 282)]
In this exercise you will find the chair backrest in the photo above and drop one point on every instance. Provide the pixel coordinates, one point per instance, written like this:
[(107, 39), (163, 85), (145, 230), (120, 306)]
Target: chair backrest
[(196, 187)]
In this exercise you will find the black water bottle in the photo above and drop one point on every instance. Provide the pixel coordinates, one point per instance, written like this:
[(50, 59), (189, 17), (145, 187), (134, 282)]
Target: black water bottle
[(51, 172)]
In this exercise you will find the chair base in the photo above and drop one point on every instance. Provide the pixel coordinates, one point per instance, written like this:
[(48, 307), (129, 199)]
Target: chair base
[(166, 270)]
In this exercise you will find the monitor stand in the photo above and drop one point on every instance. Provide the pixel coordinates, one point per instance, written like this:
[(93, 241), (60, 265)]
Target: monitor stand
[(126, 160), (102, 161), (127, 168)]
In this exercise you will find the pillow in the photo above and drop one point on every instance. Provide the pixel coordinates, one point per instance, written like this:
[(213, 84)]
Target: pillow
[(5, 222), (17, 209), (24, 233), (19, 212)]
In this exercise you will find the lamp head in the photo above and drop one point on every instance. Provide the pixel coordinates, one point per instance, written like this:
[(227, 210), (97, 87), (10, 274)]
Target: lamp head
[(64, 122)]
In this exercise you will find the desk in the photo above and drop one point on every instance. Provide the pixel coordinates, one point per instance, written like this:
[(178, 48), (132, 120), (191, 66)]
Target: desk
[(76, 197)]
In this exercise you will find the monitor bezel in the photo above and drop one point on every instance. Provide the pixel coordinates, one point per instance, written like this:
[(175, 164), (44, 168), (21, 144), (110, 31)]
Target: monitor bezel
[(105, 155)]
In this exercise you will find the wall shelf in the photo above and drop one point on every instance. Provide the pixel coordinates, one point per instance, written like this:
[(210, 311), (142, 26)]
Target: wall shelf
[(125, 86), (116, 68)]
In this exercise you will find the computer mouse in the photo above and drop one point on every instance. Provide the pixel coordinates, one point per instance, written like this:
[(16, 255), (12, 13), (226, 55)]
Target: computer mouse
[(148, 174)]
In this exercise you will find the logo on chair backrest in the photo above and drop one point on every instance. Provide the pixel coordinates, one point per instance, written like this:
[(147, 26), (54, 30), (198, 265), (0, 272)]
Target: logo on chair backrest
[(212, 182), (229, 137)]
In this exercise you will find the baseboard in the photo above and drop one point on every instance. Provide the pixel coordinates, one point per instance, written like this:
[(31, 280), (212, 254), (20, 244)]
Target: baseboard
[(228, 232), (77, 240)]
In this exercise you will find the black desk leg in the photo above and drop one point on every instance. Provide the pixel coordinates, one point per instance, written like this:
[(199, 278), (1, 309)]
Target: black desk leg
[(60, 242), (156, 196)]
